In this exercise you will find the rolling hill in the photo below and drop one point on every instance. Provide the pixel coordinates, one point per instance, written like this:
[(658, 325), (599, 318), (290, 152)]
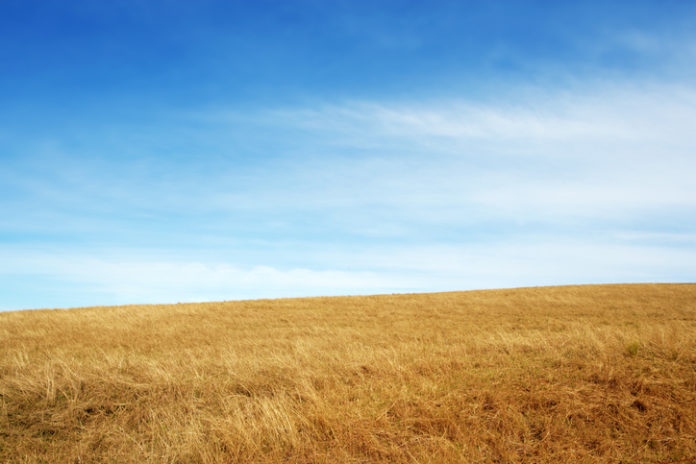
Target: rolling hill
[(598, 373)]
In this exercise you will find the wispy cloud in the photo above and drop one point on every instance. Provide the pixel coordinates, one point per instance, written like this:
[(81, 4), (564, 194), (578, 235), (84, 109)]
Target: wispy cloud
[(613, 111), (607, 152), (134, 277), (372, 196)]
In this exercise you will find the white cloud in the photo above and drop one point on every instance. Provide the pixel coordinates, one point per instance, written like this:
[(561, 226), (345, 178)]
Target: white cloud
[(125, 277), (629, 114), (608, 151), (120, 277), (373, 197)]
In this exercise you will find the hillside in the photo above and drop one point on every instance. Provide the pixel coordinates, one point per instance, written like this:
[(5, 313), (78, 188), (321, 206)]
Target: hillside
[(557, 374)]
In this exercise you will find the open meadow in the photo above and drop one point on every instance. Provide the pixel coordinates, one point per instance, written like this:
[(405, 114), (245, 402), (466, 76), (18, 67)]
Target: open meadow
[(603, 373)]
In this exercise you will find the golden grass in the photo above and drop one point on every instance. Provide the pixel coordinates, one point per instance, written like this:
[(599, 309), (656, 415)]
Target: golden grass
[(561, 374)]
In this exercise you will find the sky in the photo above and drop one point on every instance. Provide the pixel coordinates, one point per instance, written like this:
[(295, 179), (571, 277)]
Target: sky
[(171, 151)]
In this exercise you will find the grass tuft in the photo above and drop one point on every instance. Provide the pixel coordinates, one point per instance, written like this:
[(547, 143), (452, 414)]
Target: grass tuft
[(632, 348)]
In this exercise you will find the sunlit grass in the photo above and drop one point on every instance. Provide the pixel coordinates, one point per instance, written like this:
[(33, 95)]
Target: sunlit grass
[(561, 374)]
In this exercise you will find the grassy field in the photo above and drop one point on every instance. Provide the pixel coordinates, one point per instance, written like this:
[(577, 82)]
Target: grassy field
[(557, 374)]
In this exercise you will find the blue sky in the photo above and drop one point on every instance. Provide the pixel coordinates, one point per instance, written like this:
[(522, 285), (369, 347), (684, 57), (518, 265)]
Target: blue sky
[(155, 152)]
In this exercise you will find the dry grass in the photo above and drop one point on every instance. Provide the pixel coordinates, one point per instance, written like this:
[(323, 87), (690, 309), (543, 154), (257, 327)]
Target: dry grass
[(562, 374)]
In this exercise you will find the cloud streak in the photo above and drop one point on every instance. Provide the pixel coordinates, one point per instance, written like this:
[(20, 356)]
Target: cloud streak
[(134, 278), (552, 187)]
